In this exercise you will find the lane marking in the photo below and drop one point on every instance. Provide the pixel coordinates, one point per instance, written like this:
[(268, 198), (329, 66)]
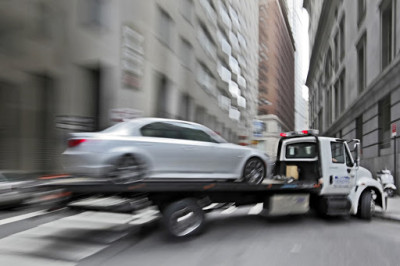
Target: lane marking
[(22, 217), (296, 248), (229, 210), (256, 209)]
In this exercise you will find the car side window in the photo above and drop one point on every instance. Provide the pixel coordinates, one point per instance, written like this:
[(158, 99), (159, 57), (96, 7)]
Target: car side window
[(337, 150), (196, 134), (161, 130)]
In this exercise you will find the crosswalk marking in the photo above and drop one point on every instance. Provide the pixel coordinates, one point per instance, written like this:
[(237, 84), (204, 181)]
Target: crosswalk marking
[(256, 209), (22, 217)]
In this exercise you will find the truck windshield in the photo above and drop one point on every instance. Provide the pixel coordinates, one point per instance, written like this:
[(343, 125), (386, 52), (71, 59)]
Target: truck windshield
[(301, 150)]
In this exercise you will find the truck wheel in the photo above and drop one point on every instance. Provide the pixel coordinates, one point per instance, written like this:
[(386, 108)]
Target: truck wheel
[(366, 206), (390, 192), (254, 171), (128, 169), (183, 218)]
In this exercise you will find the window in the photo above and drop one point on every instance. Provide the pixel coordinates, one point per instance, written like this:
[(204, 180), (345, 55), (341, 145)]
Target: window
[(361, 10), (162, 98), (305, 150), (336, 41), (349, 161), (388, 19), (337, 150), (384, 122), (337, 100), (361, 47), (186, 9), (192, 132), (93, 12), (359, 128), (327, 108), (342, 89), (164, 28), (342, 38), (186, 53), (184, 107), (161, 130)]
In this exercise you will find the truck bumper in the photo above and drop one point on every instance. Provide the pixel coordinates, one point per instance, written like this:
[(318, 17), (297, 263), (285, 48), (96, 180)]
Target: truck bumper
[(335, 205)]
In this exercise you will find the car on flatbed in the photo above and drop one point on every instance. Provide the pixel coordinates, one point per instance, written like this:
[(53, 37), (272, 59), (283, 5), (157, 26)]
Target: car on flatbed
[(163, 149), (311, 172)]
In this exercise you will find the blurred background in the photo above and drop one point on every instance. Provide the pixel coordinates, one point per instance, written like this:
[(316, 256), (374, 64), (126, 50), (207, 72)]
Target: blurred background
[(247, 69)]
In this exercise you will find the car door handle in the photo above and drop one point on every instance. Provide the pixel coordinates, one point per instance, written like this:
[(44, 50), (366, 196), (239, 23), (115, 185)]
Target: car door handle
[(348, 170)]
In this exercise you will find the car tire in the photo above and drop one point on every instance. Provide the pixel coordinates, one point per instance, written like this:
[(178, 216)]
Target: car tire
[(366, 206), (254, 171), (127, 169), (183, 218)]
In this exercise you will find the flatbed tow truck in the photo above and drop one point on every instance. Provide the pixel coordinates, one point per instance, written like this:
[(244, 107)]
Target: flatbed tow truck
[(310, 172)]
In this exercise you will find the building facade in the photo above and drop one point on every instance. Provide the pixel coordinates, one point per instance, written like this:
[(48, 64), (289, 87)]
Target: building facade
[(82, 65), (297, 24), (276, 73), (353, 76)]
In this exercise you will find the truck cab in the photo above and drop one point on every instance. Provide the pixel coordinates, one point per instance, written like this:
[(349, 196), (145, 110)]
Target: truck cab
[(346, 187)]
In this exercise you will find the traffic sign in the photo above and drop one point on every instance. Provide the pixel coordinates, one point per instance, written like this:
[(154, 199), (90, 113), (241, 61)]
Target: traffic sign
[(394, 130)]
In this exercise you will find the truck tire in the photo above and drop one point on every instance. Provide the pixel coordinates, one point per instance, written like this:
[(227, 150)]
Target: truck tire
[(183, 218), (389, 192), (127, 169), (366, 205)]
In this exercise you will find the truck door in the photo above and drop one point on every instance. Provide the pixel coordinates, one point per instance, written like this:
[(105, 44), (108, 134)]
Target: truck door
[(341, 170)]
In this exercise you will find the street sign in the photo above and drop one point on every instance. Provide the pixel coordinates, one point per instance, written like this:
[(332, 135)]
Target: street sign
[(394, 130)]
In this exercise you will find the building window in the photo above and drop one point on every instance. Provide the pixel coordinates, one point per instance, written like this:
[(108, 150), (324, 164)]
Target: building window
[(93, 12), (388, 19), (361, 64), (336, 40), (342, 92), (186, 8), (165, 28), (162, 98), (337, 100), (186, 53), (185, 107), (328, 107), (359, 128), (384, 122), (361, 11), (320, 120), (342, 38)]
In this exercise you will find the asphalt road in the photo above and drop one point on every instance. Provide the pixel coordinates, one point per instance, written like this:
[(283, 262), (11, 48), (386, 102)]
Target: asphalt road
[(232, 237)]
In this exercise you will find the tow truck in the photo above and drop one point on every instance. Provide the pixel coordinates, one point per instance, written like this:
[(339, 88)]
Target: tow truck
[(310, 172)]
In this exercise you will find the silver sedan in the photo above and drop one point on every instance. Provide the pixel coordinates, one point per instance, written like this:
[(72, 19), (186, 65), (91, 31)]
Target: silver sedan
[(162, 149)]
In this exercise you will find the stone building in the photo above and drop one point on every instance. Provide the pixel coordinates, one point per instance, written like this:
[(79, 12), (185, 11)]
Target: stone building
[(81, 65), (353, 76)]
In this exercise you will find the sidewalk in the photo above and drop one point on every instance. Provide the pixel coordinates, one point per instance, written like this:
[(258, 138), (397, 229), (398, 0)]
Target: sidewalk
[(392, 212)]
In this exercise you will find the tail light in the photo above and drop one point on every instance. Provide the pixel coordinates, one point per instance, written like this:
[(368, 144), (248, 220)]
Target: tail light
[(75, 142)]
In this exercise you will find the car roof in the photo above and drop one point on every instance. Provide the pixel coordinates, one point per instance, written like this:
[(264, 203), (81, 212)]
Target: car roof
[(146, 120)]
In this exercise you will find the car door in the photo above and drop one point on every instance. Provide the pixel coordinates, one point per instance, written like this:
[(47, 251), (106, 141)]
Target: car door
[(175, 151), (341, 171)]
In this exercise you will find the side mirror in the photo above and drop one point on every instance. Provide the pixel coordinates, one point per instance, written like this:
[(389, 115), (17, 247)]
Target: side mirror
[(357, 150)]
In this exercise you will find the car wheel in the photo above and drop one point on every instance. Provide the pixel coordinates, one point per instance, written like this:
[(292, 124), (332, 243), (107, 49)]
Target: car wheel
[(366, 205), (254, 171), (128, 169), (183, 218)]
